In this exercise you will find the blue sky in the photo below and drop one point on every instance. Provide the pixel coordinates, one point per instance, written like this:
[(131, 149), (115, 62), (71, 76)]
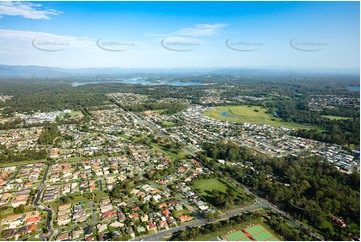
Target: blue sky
[(284, 35)]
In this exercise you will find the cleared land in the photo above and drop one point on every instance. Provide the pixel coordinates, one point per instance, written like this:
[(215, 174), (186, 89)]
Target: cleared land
[(207, 185), (335, 117), (72, 114), (251, 114), (167, 124), (204, 187)]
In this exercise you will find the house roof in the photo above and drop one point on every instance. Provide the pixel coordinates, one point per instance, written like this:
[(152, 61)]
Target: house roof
[(109, 213), (32, 227), (33, 220), (116, 224), (151, 225), (66, 206), (184, 218), (162, 205), (63, 236), (166, 212), (163, 224), (13, 217)]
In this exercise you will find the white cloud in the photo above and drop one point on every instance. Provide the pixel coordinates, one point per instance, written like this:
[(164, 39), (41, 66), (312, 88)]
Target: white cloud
[(17, 40), (202, 30), (26, 10), (198, 30), (155, 35), (183, 39)]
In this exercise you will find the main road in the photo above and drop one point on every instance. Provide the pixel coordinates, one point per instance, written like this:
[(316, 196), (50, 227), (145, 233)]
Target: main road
[(198, 222)]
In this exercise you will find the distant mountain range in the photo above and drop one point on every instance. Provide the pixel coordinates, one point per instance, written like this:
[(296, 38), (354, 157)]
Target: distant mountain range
[(56, 72)]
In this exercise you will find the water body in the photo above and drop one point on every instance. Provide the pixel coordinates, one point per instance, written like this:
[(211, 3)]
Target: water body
[(353, 88), (140, 81), (226, 114)]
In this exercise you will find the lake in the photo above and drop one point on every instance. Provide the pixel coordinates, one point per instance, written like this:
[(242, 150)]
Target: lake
[(140, 81), (353, 88), (226, 114)]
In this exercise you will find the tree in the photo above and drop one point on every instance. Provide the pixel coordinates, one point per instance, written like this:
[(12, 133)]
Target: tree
[(209, 215), (45, 230), (19, 209)]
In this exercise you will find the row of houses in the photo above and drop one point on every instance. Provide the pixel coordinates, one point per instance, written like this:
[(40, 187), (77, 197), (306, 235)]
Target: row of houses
[(17, 225)]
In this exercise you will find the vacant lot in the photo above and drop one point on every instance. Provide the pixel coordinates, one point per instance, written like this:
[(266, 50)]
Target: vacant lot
[(207, 185), (335, 117), (204, 188), (251, 114), (72, 114), (167, 124)]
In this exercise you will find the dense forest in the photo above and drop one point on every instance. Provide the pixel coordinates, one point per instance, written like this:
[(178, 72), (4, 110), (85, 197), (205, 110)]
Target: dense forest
[(344, 131), (30, 97), (7, 155), (48, 135), (310, 189)]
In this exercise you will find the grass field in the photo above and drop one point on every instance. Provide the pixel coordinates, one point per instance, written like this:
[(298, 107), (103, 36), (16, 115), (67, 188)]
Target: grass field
[(238, 235), (204, 187), (247, 114), (72, 114), (167, 124), (335, 117), (181, 154), (255, 229)]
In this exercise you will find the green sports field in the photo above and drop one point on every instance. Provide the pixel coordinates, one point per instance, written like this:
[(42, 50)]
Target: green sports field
[(252, 115), (263, 236), (224, 232), (256, 232), (255, 229), (238, 235)]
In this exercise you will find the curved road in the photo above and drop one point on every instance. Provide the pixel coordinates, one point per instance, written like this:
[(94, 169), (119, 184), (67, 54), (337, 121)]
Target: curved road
[(91, 206)]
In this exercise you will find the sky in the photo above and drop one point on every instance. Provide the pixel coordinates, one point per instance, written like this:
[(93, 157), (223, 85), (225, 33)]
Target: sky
[(318, 36)]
